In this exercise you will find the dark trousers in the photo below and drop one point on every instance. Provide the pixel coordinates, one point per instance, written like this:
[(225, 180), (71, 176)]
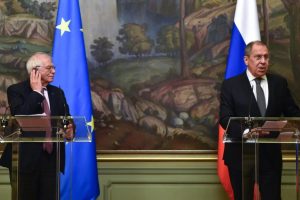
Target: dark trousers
[(37, 185), (242, 182), (40, 183)]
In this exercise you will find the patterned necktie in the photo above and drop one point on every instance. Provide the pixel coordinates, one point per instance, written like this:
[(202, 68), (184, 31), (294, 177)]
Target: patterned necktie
[(261, 101), (47, 146)]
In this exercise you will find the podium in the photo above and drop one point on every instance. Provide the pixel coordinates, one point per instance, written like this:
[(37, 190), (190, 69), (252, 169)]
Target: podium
[(260, 139), (23, 132)]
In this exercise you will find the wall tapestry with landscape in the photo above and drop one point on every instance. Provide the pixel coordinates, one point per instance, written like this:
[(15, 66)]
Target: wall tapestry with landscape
[(155, 65)]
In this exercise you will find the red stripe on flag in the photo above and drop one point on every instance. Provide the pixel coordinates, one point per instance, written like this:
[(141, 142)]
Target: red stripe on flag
[(256, 192), (222, 168)]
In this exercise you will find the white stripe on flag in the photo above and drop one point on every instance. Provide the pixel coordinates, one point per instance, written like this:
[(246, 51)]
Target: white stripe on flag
[(246, 20)]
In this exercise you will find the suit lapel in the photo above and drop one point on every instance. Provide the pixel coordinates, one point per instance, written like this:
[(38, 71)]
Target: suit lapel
[(271, 94), (52, 100)]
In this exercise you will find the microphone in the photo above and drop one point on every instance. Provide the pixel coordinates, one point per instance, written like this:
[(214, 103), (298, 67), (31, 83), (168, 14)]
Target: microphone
[(250, 101), (4, 121), (65, 121), (249, 120)]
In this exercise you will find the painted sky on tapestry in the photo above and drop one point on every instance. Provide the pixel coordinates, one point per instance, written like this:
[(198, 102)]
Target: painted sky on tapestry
[(149, 92)]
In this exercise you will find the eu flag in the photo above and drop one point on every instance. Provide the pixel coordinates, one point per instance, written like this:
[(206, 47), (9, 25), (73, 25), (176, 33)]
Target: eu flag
[(69, 57)]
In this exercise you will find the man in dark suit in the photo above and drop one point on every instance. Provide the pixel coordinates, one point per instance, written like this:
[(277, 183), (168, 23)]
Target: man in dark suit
[(240, 99), (37, 164)]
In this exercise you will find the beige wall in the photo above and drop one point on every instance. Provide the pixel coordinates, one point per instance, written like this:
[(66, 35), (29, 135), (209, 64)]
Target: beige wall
[(159, 177), (162, 177)]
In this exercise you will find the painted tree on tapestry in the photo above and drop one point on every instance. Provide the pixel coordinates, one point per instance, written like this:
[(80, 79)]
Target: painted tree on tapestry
[(293, 23), (156, 65)]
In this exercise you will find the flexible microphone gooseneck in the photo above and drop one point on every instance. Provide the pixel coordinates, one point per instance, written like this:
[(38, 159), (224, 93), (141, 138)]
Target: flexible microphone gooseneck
[(65, 121), (248, 119), (4, 120)]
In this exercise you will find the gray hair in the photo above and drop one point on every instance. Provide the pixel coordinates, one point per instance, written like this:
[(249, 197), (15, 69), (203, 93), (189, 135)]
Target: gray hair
[(249, 46), (35, 61)]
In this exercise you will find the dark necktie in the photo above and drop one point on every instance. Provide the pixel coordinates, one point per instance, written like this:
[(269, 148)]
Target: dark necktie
[(261, 101), (47, 146)]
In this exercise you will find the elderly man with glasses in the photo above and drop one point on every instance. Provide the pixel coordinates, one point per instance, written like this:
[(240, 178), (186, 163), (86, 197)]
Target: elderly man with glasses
[(37, 163)]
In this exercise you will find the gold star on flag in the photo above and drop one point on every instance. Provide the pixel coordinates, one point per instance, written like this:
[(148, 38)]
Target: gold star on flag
[(91, 124), (64, 26)]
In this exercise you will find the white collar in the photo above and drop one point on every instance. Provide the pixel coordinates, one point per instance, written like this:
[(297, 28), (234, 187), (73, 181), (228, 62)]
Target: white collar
[(251, 77)]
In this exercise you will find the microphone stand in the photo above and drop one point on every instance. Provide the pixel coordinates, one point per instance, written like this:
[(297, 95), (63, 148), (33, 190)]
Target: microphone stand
[(249, 120), (4, 122)]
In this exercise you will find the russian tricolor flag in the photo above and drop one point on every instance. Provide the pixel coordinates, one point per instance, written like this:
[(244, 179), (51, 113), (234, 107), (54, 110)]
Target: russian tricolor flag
[(245, 30)]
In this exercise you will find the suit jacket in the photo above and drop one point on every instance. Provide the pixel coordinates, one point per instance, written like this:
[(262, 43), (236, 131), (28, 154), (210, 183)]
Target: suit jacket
[(24, 101), (238, 100)]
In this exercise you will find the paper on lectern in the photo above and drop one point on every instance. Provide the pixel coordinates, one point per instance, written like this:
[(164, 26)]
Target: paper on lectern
[(274, 125), (36, 122)]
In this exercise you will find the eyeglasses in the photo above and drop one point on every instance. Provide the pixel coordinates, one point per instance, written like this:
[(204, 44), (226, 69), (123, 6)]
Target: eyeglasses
[(48, 68)]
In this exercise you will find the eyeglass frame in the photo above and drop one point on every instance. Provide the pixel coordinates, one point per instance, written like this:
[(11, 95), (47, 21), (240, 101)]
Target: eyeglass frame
[(48, 68)]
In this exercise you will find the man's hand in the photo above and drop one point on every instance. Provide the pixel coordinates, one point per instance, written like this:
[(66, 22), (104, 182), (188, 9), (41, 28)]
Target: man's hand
[(35, 80), (255, 132), (69, 132)]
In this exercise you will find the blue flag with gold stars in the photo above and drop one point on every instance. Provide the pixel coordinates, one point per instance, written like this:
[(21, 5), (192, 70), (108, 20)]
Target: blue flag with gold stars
[(80, 179)]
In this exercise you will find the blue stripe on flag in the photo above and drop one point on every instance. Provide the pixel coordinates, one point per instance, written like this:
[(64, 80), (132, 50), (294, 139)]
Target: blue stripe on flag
[(235, 61)]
